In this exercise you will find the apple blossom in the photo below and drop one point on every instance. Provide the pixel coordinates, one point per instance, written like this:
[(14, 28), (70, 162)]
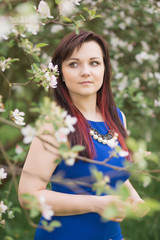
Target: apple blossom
[(66, 7), (44, 10), (123, 153), (28, 132), (3, 208), (61, 134), (70, 121), (56, 28), (157, 103), (18, 149), (70, 158), (2, 174), (16, 116), (5, 28), (70, 161), (46, 209), (5, 64), (112, 143), (52, 67)]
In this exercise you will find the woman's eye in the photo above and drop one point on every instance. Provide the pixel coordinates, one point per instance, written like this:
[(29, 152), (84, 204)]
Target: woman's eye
[(94, 63), (73, 64)]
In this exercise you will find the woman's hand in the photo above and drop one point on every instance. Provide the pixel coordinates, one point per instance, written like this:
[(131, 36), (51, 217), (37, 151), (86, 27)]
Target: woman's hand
[(138, 206), (112, 200)]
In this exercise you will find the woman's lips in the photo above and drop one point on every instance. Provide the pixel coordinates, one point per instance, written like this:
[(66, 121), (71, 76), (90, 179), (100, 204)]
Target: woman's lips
[(86, 82)]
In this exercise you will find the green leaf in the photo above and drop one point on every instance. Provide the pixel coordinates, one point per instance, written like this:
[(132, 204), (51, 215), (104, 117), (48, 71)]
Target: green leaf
[(58, 161), (56, 224), (57, 1), (29, 198), (39, 45), (110, 212), (15, 60), (34, 213), (78, 148), (63, 148), (8, 238), (66, 19), (36, 57)]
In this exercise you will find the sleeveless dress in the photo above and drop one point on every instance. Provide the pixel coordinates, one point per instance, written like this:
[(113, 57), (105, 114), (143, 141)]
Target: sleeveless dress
[(88, 226)]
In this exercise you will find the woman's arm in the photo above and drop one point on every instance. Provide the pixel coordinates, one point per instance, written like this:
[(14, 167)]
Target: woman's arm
[(37, 171)]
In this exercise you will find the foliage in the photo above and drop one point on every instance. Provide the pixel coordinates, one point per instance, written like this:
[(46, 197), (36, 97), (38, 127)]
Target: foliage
[(28, 37)]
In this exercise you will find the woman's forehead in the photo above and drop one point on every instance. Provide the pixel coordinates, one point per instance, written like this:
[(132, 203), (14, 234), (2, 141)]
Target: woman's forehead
[(89, 49)]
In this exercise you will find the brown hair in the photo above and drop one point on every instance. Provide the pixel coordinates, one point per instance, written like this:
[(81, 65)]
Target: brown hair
[(105, 100)]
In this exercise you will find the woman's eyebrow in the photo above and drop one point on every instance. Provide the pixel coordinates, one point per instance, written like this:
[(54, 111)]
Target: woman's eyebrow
[(77, 59)]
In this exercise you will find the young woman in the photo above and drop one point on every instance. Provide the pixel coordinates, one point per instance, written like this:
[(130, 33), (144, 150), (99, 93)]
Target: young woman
[(84, 90)]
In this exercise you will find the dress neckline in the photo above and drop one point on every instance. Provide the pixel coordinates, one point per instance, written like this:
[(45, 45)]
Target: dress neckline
[(95, 121)]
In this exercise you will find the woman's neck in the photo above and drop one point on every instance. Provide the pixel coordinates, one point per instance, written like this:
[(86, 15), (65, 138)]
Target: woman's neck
[(89, 109)]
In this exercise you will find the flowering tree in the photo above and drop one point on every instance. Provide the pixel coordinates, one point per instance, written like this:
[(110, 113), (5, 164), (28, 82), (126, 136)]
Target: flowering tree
[(29, 33)]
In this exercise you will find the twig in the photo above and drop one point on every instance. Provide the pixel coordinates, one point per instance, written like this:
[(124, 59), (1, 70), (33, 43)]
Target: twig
[(12, 168), (3, 120), (5, 77), (21, 84)]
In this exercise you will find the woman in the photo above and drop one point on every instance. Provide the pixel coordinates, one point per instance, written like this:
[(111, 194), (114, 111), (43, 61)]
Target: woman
[(84, 90)]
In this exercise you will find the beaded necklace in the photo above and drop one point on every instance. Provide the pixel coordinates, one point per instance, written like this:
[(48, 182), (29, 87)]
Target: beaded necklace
[(103, 138)]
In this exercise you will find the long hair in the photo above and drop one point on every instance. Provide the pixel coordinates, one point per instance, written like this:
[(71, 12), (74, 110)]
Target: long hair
[(105, 100)]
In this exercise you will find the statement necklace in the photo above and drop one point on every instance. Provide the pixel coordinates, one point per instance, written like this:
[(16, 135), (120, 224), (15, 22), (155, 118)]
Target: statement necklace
[(105, 139)]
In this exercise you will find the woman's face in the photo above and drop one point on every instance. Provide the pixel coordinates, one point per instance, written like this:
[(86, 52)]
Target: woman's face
[(83, 71)]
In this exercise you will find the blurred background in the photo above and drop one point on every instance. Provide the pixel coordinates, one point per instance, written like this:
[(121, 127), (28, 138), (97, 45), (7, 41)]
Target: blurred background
[(132, 31)]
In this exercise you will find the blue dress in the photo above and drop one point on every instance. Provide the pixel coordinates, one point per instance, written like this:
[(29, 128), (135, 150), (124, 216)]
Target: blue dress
[(88, 226)]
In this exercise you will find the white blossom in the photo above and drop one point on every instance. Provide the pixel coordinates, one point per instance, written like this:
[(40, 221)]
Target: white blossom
[(145, 46), (5, 64), (157, 103), (158, 4), (56, 28), (70, 121), (130, 47), (3, 208), (28, 132), (118, 75), (10, 214), (136, 82), (51, 66), (123, 84), (112, 143), (145, 56), (77, 2), (61, 134), (66, 7), (5, 28), (146, 181), (16, 116), (70, 160), (18, 149), (109, 23), (142, 56), (46, 209), (32, 23), (122, 26), (123, 153), (44, 10), (52, 81), (2, 173)]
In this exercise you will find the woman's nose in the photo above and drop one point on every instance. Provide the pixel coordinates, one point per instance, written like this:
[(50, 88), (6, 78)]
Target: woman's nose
[(85, 71)]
